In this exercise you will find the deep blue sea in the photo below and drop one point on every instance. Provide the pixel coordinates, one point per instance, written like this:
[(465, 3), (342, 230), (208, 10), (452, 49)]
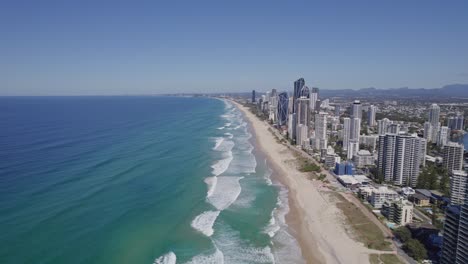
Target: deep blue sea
[(136, 180)]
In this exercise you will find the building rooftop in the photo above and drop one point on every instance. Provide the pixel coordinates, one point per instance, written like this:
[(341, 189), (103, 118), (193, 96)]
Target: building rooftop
[(363, 152)]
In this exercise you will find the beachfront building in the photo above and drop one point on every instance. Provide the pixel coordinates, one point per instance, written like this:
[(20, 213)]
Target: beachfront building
[(453, 156), (314, 95), (458, 181), (321, 130), (303, 111), (400, 158), (382, 194), (283, 101), (355, 129), (253, 96), (398, 211), (302, 138), (344, 168)]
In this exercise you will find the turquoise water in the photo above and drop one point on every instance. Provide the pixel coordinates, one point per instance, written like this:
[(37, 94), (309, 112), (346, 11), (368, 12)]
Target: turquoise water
[(136, 180)]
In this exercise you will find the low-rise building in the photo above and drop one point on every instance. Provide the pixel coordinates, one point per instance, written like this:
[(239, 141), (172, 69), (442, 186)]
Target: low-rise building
[(363, 158), (381, 195), (398, 211), (419, 199)]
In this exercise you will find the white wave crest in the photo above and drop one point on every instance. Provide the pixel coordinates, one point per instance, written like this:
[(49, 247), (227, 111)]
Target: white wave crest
[(230, 135), (168, 258), (220, 128), (216, 258), (211, 182), (226, 192), (221, 165), (224, 145), (204, 222), (218, 141)]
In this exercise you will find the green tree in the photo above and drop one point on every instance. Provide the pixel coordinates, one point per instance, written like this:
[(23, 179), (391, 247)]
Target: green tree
[(403, 234), (415, 249)]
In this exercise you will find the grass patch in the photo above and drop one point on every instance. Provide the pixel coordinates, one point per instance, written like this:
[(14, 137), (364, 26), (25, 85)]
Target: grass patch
[(365, 230), (384, 258)]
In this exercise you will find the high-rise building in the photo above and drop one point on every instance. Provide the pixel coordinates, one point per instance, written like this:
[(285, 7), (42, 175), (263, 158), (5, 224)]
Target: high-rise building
[(302, 134), (455, 245), (292, 126), (456, 122), (383, 126), (313, 98), (443, 138), (298, 85), (305, 92), (355, 129), (453, 156), (357, 110), (283, 101), (371, 115), (353, 148), (337, 110), (318, 104), (458, 181), (320, 130), (253, 96), (434, 119), (428, 131), (400, 158), (303, 111), (398, 211), (346, 132), (394, 129)]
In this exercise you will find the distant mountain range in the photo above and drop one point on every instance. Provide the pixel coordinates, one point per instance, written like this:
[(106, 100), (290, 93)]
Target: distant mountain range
[(453, 90)]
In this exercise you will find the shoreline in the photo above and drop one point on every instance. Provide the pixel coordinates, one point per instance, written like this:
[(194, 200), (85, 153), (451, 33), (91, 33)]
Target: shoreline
[(317, 223)]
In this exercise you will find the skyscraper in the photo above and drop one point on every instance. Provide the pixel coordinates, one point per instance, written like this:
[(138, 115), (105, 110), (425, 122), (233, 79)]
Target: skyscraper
[(357, 110), (320, 130), (428, 131), (298, 85), (456, 122), (433, 118), (313, 98), (337, 110), (453, 156), (400, 157), (444, 134), (302, 111), (449, 247), (371, 115), (305, 92), (383, 126), (458, 181), (253, 96), (283, 101), (355, 129), (346, 132)]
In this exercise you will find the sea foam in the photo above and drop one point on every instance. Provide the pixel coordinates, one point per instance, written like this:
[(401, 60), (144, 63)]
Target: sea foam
[(205, 221), (216, 258), (221, 165), (226, 192), (168, 258)]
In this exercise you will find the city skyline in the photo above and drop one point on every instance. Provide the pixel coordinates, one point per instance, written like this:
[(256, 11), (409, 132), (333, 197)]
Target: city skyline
[(153, 48)]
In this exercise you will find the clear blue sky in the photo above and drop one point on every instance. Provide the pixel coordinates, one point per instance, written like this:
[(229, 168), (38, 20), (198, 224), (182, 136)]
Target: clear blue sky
[(136, 47)]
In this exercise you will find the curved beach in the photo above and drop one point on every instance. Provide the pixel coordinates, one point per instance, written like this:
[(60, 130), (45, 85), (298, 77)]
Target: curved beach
[(318, 223)]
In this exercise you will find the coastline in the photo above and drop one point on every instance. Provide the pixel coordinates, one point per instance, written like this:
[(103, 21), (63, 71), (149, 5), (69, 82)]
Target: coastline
[(316, 221)]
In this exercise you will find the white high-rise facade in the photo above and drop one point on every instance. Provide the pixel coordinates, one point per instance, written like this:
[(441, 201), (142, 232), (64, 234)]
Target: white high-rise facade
[(371, 115), (458, 181), (444, 134), (434, 119), (346, 132), (355, 129), (400, 158), (353, 148), (428, 131), (453, 156), (321, 130), (383, 126), (357, 110)]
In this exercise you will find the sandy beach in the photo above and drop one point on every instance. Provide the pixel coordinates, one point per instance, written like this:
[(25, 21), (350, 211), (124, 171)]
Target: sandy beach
[(319, 225)]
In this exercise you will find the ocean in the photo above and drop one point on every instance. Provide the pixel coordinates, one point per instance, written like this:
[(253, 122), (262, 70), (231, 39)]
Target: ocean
[(136, 180)]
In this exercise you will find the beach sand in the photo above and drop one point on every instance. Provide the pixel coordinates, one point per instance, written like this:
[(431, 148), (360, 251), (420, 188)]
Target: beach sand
[(318, 224)]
